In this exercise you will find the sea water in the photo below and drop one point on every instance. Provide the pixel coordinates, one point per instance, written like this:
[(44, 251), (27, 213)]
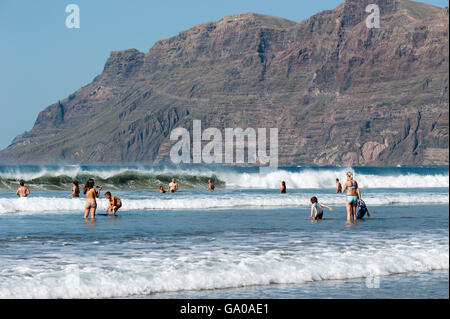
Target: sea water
[(244, 240)]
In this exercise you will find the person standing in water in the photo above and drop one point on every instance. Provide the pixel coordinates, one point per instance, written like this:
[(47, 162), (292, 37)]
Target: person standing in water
[(22, 191), (283, 187), (338, 186), (211, 186), (91, 195), (75, 189), (173, 186), (353, 195)]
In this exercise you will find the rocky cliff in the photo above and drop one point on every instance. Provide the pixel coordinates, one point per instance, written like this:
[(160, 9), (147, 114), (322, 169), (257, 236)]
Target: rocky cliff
[(339, 92)]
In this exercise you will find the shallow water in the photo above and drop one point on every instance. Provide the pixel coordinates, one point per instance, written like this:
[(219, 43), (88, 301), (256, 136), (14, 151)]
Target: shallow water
[(233, 243), (399, 286)]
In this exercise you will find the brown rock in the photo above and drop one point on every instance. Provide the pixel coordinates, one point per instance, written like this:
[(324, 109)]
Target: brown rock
[(340, 93)]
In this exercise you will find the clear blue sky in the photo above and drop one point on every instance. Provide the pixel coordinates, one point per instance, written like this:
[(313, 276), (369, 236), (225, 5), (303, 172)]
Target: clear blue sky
[(41, 61)]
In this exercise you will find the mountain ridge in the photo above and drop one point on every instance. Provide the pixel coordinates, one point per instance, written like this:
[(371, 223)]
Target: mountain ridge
[(315, 79)]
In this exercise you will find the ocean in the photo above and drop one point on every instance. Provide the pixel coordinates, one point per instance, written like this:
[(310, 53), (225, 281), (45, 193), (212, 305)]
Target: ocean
[(244, 240)]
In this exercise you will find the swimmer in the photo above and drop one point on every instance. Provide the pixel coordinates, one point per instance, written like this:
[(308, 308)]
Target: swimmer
[(91, 193), (211, 186), (338, 186), (316, 209), (173, 186), (114, 203), (161, 189), (283, 187), (75, 189), (22, 191)]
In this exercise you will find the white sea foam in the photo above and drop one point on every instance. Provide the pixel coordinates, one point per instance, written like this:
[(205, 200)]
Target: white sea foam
[(205, 267), (306, 179), (216, 201)]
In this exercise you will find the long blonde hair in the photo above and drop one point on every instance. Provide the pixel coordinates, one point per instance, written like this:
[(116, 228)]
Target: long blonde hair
[(350, 175)]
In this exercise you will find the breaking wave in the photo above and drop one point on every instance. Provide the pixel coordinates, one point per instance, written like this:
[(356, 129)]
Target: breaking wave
[(206, 201), (59, 178)]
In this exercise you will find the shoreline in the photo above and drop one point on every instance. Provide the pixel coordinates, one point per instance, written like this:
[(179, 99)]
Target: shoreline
[(354, 289)]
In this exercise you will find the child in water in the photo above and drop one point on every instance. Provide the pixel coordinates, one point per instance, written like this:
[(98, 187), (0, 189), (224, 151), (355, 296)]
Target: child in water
[(316, 209), (114, 203)]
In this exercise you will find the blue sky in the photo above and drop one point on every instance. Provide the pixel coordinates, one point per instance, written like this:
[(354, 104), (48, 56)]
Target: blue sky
[(42, 61)]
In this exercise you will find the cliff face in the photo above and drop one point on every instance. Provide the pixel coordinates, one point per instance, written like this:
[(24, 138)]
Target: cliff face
[(340, 93)]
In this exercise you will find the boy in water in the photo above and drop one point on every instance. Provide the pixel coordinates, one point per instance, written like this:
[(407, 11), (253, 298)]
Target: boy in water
[(114, 203), (316, 209), (22, 191)]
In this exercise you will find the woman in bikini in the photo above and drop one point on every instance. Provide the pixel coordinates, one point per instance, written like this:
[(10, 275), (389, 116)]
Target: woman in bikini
[(91, 193), (353, 195)]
